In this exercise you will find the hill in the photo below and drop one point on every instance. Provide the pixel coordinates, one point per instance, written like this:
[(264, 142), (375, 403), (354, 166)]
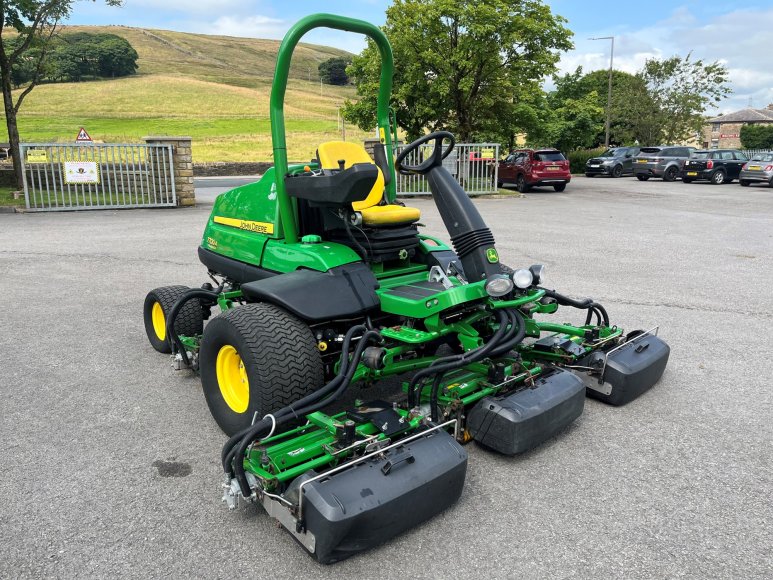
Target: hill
[(214, 88)]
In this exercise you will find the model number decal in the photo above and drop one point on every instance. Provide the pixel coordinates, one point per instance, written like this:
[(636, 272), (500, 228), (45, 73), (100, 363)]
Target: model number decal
[(250, 226)]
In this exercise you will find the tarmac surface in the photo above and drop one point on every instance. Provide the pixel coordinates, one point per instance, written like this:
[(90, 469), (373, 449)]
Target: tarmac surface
[(110, 460)]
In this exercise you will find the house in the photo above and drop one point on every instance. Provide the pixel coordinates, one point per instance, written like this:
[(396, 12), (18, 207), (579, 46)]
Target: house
[(725, 131)]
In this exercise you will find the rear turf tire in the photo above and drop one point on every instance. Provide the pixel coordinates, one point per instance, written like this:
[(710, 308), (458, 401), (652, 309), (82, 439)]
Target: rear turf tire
[(617, 171), (560, 187), (256, 358), (158, 305), (642, 177), (671, 174)]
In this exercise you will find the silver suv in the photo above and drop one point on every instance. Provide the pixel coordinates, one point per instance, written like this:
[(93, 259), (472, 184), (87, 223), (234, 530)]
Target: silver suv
[(663, 161)]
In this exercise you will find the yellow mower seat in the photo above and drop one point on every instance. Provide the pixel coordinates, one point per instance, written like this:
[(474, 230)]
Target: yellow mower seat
[(373, 214)]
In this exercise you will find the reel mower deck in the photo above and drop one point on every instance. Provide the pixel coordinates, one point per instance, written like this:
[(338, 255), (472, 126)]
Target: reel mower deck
[(323, 281)]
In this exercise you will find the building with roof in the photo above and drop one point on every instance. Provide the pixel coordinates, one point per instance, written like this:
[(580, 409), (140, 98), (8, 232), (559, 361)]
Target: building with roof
[(724, 132)]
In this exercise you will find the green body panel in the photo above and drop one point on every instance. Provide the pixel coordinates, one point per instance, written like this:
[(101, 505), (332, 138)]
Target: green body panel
[(426, 306), (257, 202)]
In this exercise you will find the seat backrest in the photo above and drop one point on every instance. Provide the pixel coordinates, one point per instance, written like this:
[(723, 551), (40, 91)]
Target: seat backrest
[(331, 152)]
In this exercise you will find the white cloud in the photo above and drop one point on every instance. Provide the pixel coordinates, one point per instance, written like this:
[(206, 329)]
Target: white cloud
[(740, 39), (249, 26)]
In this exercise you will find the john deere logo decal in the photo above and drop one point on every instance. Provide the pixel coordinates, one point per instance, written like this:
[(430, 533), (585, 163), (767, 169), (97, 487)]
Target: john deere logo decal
[(492, 256)]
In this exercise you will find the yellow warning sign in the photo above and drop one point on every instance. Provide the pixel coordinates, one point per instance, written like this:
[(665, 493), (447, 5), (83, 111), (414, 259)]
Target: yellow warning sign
[(487, 153), (37, 156)]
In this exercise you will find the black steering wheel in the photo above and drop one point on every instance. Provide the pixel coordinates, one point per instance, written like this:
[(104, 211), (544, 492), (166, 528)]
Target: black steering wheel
[(434, 160)]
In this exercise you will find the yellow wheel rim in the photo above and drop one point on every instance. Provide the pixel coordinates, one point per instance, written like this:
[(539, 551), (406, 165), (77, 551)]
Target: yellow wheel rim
[(232, 379), (159, 321)]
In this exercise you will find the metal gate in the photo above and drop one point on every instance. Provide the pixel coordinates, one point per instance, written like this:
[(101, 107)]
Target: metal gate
[(474, 165), (66, 177)]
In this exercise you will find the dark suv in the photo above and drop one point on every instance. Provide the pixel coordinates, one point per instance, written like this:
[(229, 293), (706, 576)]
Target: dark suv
[(528, 168), (715, 165), (614, 162), (663, 161)]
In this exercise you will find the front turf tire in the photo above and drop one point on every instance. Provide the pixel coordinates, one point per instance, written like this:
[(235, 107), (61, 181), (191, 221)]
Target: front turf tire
[(256, 358), (158, 305)]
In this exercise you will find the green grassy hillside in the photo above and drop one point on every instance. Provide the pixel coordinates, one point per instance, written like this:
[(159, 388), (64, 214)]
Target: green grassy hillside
[(213, 88)]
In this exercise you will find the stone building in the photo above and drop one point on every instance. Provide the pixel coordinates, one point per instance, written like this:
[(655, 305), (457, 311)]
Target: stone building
[(724, 132)]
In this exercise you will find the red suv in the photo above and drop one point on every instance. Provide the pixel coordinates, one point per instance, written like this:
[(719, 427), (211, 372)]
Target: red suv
[(529, 167)]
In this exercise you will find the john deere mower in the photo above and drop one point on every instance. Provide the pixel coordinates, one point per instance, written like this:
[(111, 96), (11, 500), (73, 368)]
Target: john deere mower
[(323, 281)]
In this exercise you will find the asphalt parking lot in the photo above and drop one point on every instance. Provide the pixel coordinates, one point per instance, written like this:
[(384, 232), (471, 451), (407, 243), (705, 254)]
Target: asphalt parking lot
[(111, 462)]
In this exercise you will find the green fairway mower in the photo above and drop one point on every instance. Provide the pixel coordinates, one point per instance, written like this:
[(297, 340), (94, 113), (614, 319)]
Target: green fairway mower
[(323, 280)]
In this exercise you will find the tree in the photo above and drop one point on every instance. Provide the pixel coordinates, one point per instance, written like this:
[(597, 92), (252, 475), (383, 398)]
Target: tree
[(682, 89), (35, 22), (633, 113), (333, 71), (755, 136), (459, 64)]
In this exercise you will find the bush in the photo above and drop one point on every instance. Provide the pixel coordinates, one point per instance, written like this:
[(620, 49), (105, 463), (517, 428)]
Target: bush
[(757, 136), (578, 159)]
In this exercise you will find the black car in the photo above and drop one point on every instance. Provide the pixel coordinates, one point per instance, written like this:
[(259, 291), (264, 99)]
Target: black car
[(614, 162), (715, 165)]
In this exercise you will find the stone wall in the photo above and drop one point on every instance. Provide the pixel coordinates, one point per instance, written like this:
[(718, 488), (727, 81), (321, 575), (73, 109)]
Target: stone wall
[(182, 162)]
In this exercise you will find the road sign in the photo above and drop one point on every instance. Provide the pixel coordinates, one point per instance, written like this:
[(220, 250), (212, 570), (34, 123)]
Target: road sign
[(83, 136)]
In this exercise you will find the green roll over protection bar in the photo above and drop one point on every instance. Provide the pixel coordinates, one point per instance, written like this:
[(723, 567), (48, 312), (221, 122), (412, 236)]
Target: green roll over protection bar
[(279, 88)]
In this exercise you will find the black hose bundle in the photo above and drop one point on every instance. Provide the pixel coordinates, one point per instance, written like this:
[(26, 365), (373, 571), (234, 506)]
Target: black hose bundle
[(498, 345), (174, 340), (586, 304), (236, 447)]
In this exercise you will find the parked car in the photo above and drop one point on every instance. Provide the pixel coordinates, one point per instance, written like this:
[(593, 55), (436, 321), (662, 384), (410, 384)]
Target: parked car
[(715, 165), (663, 161), (614, 162), (759, 169), (528, 168)]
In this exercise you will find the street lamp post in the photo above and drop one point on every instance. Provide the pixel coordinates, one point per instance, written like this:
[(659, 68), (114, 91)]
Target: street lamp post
[(609, 93)]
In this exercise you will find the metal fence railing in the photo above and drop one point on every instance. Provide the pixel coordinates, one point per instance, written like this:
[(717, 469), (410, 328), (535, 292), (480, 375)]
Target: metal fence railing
[(752, 152), (65, 177), (474, 165)]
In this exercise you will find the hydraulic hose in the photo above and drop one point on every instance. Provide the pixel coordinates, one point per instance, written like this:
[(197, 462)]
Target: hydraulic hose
[(170, 319), (585, 304), (445, 364), (258, 428), (512, 337), (229, 447)]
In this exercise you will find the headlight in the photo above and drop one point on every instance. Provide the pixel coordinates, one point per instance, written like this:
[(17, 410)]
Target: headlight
[(537, 273), (499, 286), (609, 162), (522, 278)]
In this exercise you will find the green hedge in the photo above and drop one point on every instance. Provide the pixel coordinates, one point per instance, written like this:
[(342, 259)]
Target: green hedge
[(757, 136), (577, 159)]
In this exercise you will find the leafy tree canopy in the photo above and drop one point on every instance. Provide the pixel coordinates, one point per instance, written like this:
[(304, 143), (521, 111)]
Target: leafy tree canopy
[(460, 65), (333, 70), (754, 136)]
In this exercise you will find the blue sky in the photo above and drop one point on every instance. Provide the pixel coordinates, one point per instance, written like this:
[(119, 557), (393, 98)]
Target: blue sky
[(734, 32)]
